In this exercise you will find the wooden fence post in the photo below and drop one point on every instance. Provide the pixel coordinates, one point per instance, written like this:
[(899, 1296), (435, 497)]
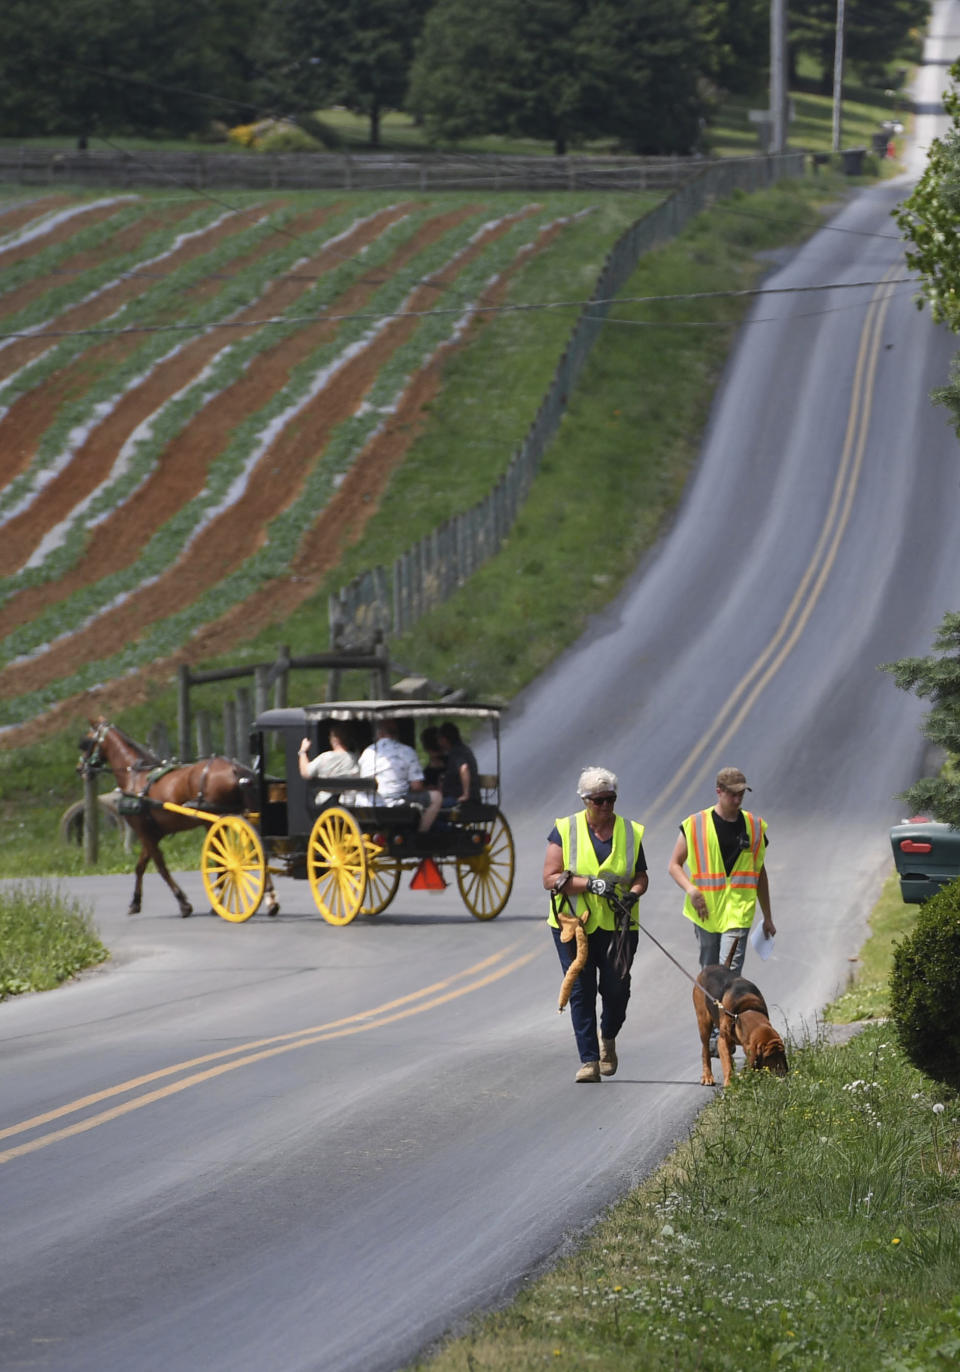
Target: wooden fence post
[(243, 724), (282, 669), (183, 712), (229, 729), (204, 734), (261, 689), (91, 820)]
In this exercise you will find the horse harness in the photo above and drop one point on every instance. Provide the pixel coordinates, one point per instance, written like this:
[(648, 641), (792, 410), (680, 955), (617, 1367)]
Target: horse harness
[(149, 772)]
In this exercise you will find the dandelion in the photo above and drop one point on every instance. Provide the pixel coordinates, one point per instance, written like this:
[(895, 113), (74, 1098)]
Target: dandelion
[(938, 1109), (894, 1242)]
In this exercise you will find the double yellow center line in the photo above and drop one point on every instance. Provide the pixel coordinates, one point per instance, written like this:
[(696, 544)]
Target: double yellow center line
[(705, 755), (196, 1071)]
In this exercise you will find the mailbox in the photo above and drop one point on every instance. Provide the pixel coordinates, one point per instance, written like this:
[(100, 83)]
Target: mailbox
[(927, 855)]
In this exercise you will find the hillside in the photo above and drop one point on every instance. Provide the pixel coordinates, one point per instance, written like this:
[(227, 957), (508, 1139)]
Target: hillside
[(202, 404)]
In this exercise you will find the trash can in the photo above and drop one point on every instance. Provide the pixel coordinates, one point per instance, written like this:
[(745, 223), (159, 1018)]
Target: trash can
[(927, 856), (853, 160), (878, 142)]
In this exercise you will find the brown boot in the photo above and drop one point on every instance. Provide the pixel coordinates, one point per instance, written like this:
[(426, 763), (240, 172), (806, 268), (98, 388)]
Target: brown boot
[(608, 1057), (590, 1071)]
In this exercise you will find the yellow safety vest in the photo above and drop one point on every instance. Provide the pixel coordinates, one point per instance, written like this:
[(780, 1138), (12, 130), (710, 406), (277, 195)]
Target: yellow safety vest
[(580, 858), (731, 900)]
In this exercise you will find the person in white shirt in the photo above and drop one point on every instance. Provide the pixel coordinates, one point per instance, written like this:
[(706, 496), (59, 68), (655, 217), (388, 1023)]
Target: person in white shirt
[(398, 773), (336, 761)]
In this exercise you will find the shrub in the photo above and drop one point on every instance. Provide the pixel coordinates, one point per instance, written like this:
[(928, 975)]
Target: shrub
[(925, 988)]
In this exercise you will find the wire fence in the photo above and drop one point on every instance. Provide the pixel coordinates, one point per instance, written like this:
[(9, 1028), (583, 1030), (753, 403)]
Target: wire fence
[(391, 600)]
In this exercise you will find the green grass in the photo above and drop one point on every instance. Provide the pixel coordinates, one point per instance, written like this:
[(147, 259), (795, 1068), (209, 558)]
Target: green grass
[(45, 938), (867, 996), (811, 1222)]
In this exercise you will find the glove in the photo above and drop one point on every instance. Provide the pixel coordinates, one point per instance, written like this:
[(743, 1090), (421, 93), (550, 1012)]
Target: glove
[(601, 886), (629, 899)]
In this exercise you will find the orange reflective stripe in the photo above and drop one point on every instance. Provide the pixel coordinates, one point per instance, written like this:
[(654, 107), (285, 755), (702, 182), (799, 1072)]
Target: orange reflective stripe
[(699, 843), (756, 833)]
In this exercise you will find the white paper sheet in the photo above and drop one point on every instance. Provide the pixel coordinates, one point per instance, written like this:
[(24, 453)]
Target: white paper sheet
[(761, 945)]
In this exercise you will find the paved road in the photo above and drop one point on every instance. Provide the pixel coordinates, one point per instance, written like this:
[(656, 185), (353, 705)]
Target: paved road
[(283, 1145)]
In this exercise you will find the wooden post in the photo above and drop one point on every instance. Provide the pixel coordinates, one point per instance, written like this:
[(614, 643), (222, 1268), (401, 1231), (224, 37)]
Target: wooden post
[(261, 689), (229, 729), (282, 669), (91, 820), (243, 725), (204, 734), (183, 712)]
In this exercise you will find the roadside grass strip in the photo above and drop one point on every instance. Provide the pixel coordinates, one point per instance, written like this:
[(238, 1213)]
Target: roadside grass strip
[(58, 449), (809, 1222), (228, 476), (46, 937)]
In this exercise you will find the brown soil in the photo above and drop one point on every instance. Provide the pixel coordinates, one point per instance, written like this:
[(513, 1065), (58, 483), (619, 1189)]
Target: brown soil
[(19, 252), (182, 470), (237, 532), (127, 240)]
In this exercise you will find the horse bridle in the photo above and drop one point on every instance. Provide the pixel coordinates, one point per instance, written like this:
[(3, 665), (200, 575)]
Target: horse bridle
[(94, 760)]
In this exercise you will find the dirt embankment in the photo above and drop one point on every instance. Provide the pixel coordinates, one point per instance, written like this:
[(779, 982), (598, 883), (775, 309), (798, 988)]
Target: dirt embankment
[(343, 520)]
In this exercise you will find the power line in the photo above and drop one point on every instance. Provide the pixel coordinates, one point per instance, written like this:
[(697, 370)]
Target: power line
[(323, 316)]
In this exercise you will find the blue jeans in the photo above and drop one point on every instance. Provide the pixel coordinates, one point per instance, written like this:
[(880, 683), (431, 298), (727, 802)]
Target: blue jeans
[(714, 948), (598, 974)]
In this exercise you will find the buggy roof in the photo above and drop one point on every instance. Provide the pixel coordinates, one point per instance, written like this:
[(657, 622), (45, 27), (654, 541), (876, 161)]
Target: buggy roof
[(297, 716)]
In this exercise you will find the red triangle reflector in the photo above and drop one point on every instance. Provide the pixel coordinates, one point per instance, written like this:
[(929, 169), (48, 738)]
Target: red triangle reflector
[(428, 877)]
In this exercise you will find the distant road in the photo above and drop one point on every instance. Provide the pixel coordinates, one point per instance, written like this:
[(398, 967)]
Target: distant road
[(286, 1146)]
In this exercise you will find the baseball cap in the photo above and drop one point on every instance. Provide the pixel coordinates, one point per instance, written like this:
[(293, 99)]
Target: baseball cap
[(732, 779)]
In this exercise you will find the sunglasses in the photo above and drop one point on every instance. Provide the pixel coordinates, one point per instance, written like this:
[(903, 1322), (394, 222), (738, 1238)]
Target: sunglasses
[(601, 800)]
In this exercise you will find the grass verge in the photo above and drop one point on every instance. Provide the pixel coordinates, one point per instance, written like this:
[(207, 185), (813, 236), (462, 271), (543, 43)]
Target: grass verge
[(45, 938), (868, 994)]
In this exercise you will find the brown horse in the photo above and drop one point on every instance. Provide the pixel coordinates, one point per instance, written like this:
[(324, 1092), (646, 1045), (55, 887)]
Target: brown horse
[(216, 785)]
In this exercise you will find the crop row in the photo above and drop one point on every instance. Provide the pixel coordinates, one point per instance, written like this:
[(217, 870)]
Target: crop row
[(67, 621)]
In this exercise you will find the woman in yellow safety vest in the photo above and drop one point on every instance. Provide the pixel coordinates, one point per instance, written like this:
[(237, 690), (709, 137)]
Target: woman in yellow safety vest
[(724, 849), (590, 855)]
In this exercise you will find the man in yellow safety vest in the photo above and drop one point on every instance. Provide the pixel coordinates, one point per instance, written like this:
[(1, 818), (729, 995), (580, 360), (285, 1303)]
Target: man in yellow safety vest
[(724, 849)]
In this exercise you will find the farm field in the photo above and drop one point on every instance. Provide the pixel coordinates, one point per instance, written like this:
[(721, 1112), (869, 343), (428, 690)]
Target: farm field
[(201, 402)]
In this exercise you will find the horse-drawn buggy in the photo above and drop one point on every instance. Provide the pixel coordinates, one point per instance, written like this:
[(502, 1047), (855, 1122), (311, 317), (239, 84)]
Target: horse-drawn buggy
[(333, 831)]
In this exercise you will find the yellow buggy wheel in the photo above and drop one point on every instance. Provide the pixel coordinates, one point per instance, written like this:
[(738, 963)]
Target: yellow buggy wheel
[(337, 865), (233, 868), (383, 878), (485, 881)]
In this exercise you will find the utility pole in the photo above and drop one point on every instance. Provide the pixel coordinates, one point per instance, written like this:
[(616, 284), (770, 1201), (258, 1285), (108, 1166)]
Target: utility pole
[(778, 75), (838, 78)]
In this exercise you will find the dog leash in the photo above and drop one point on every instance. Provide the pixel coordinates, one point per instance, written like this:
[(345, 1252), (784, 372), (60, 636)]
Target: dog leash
[(706, 994), (623, 912)]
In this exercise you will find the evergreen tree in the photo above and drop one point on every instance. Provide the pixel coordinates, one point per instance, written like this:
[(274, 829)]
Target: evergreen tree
[(937, 678)]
